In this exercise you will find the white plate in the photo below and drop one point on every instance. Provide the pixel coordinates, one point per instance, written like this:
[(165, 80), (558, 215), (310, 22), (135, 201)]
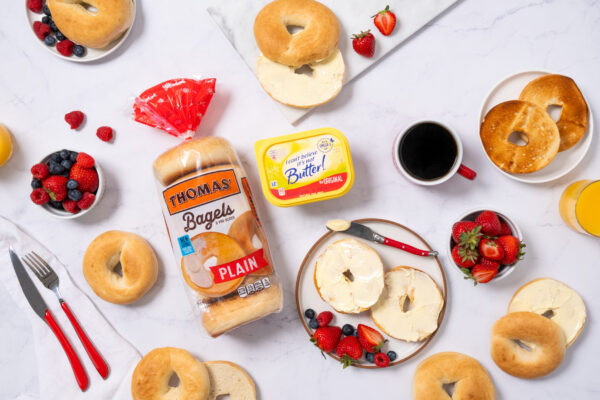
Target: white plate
[(91, 54), (509, 89), (308, 297)]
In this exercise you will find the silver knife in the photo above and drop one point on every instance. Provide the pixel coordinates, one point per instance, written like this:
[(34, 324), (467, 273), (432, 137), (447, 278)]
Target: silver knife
[(364, 232), (41, 309)]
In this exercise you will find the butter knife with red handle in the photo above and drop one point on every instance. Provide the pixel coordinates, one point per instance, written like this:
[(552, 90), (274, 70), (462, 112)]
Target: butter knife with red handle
[(364, 232)]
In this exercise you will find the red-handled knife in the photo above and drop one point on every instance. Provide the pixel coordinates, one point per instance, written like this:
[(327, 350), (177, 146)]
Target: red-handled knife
[(41, 309), (364, 232)]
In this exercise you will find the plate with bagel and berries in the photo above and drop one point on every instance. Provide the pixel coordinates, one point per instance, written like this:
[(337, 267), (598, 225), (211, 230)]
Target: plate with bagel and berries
[(364, 301), (536, 126), (81, 31)]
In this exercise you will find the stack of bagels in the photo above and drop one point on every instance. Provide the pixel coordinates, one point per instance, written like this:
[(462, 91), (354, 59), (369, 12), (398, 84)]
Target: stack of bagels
[(544, 318), (153, 378), (542, 137), (283, 53)]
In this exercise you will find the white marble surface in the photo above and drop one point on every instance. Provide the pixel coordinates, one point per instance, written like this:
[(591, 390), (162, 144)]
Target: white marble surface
[(443, 72)]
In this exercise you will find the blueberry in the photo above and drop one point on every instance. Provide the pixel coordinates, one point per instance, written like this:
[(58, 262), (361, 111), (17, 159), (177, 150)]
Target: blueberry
[(53, 27), (49, 41), (370, 357), (55, 168), (355, 333), (348, 330), (56, 204), (73, 156), (79, 50), (60, 37), (65, 154), (66, 164), (46, 10), (309, 313), (56, 157), (36, 183), (46, 19), (313, 323), (391, 355), (74, 195), (72, 184)]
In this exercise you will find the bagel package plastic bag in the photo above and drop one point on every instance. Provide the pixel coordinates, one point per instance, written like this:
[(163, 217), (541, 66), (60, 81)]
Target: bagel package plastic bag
[(217, 238)]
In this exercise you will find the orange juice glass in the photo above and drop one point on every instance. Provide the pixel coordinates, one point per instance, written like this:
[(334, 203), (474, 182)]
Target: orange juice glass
[(580, 207)]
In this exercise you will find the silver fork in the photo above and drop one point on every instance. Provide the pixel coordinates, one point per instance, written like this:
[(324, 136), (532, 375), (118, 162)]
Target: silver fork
[(49, 279)]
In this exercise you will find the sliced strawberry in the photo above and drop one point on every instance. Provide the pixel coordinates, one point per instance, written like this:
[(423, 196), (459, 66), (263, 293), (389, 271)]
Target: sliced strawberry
[(370, 339), (385, 21), (483, 273), (490, 249)]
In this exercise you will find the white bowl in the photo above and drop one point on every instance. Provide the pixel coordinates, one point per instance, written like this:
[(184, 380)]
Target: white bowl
[(504, 270), (67, 215), (91, 54)]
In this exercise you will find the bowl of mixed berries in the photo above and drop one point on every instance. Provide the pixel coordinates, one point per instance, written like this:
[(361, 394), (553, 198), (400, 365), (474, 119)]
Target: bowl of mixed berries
[(66, 183), (485, 245)]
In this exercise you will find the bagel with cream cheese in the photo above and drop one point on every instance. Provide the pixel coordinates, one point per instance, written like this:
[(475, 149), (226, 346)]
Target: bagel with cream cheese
[(349, 276), (420, 320), (93, 27), (139, 267)]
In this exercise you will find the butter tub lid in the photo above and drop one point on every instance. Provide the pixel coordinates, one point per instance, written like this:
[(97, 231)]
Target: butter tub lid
[(304, 167)]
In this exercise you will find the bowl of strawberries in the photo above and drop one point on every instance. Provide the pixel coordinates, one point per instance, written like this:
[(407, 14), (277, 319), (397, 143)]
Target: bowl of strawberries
[(67, 184), (485, 245)]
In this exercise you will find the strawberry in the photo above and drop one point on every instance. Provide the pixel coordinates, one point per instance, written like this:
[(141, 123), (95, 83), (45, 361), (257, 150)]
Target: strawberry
[(326, 338), (504, 229), (462, 226), (105, 133), (41, 30), (85, 160), (87, 199), (512, 247), (468, 238), (385, 21), (490, 249), (483, 273), (490, 224), (370, 339), (381, 360), (35, 5), (464, 257), (324, 318), (70, 206), (364, 43), (74, 119), (40, 171), (39, 196), (56, 186), (65, 47), (489, 263), (348, 349), (87, 178)]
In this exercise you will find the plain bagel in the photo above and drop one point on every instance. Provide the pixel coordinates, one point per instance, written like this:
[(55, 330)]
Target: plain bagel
[(95, 29), (316, 41), (138, 265), (227, 378), (543, 339), (151, 376), (471, 381), (559, 90)]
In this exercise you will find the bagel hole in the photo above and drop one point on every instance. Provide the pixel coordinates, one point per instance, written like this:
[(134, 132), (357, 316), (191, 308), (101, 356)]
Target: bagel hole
[(210, 262), (222, 397), (449, 388), (406, 304), (174, 380), (293, 29), (522, 345), (548, 314), (554, 111), (118, 269), (304, 70), (349, 275), (518, 138), (88, 7)]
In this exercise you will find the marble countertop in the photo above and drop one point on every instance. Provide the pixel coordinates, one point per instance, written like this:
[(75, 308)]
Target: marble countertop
[(443, 72)]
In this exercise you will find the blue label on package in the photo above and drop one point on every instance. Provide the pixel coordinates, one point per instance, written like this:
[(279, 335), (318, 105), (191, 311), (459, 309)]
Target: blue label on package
[(185, 244)]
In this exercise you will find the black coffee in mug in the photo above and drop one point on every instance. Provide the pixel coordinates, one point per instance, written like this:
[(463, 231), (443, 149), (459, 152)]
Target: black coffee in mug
[(427, 151)]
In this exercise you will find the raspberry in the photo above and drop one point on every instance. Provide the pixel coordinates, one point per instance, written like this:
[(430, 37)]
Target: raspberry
[(74, 119), (85, 160), (70, 206), (41, 30), (65, 47), (40, 171), (56, 186), (35, 5), (86, 200), (324, 318), (382, 360), (39, 196), (87, 178), (105, 133)]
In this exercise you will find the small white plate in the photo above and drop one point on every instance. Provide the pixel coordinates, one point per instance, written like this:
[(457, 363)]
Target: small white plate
[(91, 54), (308, 297), (509, 89)]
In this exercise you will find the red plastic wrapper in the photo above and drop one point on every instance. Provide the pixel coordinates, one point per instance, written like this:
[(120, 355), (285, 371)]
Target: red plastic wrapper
[(176, 106)]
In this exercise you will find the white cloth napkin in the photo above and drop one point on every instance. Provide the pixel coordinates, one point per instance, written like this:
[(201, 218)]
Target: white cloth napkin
[(56, 379)]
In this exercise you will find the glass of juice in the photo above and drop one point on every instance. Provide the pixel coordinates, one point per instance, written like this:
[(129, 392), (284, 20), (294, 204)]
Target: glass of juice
[(580, 207)]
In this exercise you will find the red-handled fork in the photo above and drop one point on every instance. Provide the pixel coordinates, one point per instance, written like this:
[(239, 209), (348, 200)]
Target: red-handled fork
[(49, 279)]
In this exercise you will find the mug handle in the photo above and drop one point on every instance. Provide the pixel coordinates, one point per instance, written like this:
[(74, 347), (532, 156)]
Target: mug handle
[(466, 172)]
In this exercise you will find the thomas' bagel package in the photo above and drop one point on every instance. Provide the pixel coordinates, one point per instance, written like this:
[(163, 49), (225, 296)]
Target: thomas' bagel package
[(217, 238)]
